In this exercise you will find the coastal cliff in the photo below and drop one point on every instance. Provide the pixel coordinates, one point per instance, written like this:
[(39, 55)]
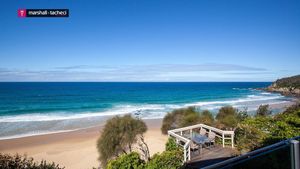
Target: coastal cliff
[(289, 86)]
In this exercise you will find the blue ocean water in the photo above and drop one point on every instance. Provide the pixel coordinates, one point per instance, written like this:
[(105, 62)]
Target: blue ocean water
[(37, 108)]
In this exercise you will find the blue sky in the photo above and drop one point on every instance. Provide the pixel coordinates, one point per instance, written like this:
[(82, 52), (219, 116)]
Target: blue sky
[(153, 40)]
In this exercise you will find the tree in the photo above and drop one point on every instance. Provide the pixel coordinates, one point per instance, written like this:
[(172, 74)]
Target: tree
[(23, 162), (263, 110), (144, 149), (242, 115), (118, 136), (127, 161)]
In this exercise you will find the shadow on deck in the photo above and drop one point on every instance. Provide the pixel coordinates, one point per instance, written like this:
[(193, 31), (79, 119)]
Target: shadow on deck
[(209, 156)]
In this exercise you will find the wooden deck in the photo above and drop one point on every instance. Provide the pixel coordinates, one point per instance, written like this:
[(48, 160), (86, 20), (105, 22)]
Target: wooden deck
[(209, 156)]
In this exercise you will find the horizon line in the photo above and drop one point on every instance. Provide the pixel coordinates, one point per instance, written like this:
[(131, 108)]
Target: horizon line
[(136, 81)]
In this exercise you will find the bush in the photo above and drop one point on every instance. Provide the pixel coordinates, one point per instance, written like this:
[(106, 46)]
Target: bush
[(118, 136), (127, 161), (23, 162), (248, 137), (258, 131), (171, 145), (179, 118), (227, 117), (263, 110), (285, 125), (166, 160), (185, 117), (206, 118)]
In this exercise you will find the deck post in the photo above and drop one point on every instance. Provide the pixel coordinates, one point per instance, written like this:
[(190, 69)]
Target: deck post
[(189, 152), (184, 154), (191, 133), (295, 162), (223, 141), (232, 140)]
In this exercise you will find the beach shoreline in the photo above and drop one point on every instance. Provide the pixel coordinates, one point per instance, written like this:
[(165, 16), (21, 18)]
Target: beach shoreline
[(75, 149)]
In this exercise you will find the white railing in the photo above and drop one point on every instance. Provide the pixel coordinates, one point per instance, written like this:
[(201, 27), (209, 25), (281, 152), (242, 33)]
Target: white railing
[(186, 145), (178, 136)]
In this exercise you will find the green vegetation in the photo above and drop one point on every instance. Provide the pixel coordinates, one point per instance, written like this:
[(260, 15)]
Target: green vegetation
[(118, 137), (227, 118), (259, 131), (185, 117), (116, 143), (166, 160), (251, 132), (289, 82), (206, 117), (127, 161), (23, 162), (171, 145), (169, 159), (263, 110)]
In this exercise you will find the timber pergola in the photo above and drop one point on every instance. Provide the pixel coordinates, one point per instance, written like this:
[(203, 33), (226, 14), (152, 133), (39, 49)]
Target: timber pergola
[(180, 133)]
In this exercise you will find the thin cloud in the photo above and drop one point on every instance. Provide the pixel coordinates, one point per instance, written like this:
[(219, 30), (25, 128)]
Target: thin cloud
[(161, 72)]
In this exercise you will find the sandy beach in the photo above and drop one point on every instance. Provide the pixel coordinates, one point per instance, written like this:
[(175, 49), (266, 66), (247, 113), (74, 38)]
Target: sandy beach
[(75, 149)]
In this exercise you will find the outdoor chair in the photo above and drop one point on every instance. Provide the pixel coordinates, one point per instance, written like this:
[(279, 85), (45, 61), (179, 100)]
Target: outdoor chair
[(203, 132), (195, 147), (211, 138)]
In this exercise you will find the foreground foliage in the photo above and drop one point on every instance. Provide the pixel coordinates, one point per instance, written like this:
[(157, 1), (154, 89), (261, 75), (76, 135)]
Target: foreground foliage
[(127, 161), (259, 131), (166, 160), (23, 162), (169, 159), (171, 145)]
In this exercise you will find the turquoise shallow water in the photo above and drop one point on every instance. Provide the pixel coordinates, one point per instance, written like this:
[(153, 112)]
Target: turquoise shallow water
[(36, 108)]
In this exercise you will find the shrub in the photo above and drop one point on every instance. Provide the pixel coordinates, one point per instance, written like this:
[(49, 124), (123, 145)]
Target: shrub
[(227, 117), (189, 118), (263, 110), (166, 160), (118, 136), (285, 125), (180, 118), (248, 137), (23, 162), (258, 131), (171, 145), (127, 161), (206, 117)]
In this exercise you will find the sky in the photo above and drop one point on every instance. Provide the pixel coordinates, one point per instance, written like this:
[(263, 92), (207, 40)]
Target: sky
[(151, 40)]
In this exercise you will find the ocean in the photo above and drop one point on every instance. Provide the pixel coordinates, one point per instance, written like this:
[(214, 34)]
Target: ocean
[(38, 108)]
